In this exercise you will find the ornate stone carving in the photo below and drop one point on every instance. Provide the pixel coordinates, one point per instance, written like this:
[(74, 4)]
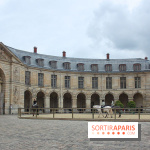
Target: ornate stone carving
[(3, 55), (16, 94), (16, 74)]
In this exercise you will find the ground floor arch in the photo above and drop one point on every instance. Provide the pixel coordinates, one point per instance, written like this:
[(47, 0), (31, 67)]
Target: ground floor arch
[(108, 99), (124, 99), (81, 101), (67, 100), (138, 99), (40, 99), (27, 100), (53, 100), (95, 100)]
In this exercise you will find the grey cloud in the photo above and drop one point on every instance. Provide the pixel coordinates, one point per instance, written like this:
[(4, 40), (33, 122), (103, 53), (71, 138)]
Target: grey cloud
[(123, 28)]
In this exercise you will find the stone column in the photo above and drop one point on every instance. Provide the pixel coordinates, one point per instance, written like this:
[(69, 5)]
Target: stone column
[(130, 99), (47, 103), (116, 98), (88, 103), (74, 101), (60, 101)]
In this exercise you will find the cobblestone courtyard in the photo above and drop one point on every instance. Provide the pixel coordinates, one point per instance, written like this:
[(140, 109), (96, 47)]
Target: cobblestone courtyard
[(27, 134)]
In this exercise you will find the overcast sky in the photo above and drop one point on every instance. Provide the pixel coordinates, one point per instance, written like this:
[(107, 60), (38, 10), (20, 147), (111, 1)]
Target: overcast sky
[(82, 28)]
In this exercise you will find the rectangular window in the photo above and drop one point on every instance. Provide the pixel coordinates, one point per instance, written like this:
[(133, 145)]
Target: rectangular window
[(53, 81), (137, 82), (95, 82), (108, 82), (27, 77), (94, 67), (80, 82), (122, 67), (108, 67), (123, 82), (80, 67), (67, 81), (137, 67), (67, 66), (53, 64), (27, 60), (40, 79)]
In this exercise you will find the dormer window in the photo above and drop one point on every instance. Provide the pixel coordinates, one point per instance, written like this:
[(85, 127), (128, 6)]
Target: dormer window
[(40, 62), (136, 67), (122, 67), (94, 67), (80, 67), (66, 65), (108, 67), (27, 60), (53, 64)]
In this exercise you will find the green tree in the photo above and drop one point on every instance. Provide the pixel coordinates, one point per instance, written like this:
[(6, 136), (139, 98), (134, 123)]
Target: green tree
[(131, 104), (118, 103)]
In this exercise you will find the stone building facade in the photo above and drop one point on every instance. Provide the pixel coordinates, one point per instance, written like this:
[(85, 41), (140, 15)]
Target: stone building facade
[(63, 82)]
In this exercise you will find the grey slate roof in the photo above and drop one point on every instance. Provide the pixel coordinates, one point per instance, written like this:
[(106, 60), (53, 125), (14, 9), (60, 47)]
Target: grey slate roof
[(145, 64)]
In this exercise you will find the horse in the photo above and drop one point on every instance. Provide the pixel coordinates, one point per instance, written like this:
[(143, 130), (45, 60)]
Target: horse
[(35, 109), (106, 109), (117, 110)]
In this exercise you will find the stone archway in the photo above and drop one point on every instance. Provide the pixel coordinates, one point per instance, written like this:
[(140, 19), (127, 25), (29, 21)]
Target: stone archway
[(124, 99), (53, 100), (27, 100), (40, 100), (138, 99), (67, 100), (81, 101), (2, 91), (108, 99), (95, 100)]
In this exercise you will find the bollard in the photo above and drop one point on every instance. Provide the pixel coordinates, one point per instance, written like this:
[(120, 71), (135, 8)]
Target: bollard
[(19, 112), (72, 113), (53, 112), (115, 113), (139, 113), (92, 113)]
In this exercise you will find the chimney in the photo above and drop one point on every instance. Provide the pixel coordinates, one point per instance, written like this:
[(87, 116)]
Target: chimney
[(64, 54), (146, 58), (107, 55), (35, 49)]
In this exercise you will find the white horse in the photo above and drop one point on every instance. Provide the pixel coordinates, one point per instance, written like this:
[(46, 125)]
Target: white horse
[(106, 109)]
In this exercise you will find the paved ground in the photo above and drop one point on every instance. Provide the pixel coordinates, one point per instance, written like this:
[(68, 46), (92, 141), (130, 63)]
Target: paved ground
[(22, 134)]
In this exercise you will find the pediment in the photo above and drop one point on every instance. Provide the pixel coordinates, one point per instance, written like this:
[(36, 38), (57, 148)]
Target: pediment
[(3, 55), (7, 55)]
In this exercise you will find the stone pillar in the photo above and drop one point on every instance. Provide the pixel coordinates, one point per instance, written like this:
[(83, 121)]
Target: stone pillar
[(60, 102), (130, 99), (88, 103), (101, 101), (47, 103), (74, 101), (116, 98)]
